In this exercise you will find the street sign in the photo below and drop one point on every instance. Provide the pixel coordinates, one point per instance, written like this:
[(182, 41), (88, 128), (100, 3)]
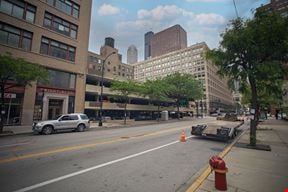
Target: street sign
[(9, 95)]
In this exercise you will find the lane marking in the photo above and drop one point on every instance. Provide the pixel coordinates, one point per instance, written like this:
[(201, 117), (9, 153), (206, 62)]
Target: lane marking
[(77, 147), (93, 168)]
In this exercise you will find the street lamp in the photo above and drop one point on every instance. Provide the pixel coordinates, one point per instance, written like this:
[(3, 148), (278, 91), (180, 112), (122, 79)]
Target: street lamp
[(101, 92)]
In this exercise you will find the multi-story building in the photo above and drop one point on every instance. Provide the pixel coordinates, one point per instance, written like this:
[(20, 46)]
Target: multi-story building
[(113, 107), (55, 35), (190, 60), (113, 69), (277, 5), (171, 39), (132, 54), (147, 44)]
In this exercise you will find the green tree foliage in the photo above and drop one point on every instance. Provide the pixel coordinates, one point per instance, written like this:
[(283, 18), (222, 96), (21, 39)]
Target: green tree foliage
[(253, 51), (123, 90), (156, 90), (183, 87), (20, 72)]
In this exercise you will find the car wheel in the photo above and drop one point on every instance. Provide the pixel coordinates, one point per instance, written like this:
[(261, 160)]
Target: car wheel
[(81, 127), (47, 130)]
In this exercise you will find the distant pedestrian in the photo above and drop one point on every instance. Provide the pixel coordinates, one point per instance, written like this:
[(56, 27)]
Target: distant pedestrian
[(276, 114)]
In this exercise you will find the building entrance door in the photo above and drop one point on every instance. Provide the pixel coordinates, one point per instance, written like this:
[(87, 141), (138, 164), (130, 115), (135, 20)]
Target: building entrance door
[(55, 108)]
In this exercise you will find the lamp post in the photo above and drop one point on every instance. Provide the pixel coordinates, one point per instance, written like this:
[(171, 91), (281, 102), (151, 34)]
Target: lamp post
[(101, 91)]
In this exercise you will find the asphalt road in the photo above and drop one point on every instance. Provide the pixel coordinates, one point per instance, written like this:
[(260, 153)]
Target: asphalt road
[(145, 158)]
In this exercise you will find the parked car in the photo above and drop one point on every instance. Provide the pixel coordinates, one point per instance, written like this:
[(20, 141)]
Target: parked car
[(74, 121)]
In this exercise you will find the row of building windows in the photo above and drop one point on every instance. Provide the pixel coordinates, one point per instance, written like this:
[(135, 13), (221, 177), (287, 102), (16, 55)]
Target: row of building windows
[(20, 38), (19, 9), (57, 24), (57, 49), (60, 79), (23, 10), (15, 37), (67, 6)]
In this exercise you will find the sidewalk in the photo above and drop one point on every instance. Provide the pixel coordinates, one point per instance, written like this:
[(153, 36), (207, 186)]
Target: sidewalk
[(27, 129), (251, 170)]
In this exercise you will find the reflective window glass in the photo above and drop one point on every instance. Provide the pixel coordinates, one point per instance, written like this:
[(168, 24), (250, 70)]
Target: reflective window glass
[(18, 12)]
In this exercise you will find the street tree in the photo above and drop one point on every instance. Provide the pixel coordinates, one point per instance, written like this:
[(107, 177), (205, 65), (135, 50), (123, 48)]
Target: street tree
[(183, 86), (155, 90), (123, 89), (253, 51), (17, 72)]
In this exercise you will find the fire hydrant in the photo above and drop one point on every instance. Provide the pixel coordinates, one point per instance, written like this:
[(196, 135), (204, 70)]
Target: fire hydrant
[(219, 166)]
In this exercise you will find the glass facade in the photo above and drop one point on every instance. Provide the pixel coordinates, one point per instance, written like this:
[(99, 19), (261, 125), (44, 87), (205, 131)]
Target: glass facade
[(57, 24), (19, 9), (15, 37), (59, 79), (66, 6), (57, 49)]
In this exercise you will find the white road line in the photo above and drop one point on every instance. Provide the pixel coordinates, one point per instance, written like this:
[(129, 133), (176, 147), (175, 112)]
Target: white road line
[(93, 168)]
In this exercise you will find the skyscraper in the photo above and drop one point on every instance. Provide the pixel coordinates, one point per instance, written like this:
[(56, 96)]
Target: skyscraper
[(169, 40), (132, 54), (147, 48)]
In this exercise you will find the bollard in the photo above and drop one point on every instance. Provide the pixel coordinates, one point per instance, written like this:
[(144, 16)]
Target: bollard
[(219, 166)]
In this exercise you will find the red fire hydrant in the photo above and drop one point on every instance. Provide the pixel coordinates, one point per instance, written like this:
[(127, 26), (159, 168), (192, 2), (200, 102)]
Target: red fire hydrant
[(219, 166)]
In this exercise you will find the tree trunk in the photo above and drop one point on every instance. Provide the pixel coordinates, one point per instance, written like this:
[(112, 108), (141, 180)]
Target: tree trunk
[(125, 111), (158, 112), (178, 114), (254, 106), (2, 107)]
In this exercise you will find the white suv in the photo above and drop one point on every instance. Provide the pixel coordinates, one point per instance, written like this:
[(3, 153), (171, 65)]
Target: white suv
[(73, 121)]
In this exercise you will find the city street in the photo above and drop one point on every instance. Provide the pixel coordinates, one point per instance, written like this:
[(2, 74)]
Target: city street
[(143, 158)]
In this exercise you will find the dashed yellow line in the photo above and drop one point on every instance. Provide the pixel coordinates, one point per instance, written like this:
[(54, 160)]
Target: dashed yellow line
[(77, 147)]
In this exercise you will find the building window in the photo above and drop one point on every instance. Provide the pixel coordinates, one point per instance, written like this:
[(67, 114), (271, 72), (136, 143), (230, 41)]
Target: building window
[(19, 9), (57, 49), (15, 37), (57, 24), (60, 79), (66, 6)]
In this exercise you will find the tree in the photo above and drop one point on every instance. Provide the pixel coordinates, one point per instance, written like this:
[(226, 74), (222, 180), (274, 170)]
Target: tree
[(183, 87), (124, 89), (253, 51), (156, 90), (20, 72)]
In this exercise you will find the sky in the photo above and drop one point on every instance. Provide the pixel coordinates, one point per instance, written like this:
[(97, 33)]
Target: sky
[(128, 20)]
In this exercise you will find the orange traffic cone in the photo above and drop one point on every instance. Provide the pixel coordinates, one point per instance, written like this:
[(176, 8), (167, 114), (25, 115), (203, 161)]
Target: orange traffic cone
[(183, 137)]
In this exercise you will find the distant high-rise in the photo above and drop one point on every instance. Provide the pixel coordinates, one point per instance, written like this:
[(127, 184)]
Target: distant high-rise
[(147, 48), (132, 54), (168, 40)]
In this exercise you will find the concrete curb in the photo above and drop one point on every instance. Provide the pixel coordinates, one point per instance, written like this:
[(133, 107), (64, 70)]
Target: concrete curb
[(208, 169)]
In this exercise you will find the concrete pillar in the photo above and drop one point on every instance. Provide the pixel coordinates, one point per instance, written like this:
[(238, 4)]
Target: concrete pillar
[(28, 104), (80, 93)]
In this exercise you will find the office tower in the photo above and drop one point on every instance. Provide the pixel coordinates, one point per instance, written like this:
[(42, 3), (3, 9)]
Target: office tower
[(147, 48), (132, 54), (190, 60), (168, 40)]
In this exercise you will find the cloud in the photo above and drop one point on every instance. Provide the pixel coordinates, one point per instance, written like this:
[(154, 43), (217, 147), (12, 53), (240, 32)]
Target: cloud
[(107, 9), (163, 12), (210, 19), (207, 1)]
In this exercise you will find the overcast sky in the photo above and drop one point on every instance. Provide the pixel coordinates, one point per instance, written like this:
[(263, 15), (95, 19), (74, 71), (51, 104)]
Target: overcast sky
[(128, 20)]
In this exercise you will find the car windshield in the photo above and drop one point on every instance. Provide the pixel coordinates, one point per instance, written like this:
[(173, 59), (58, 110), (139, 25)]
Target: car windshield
[(57, 117), (83, 117)]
